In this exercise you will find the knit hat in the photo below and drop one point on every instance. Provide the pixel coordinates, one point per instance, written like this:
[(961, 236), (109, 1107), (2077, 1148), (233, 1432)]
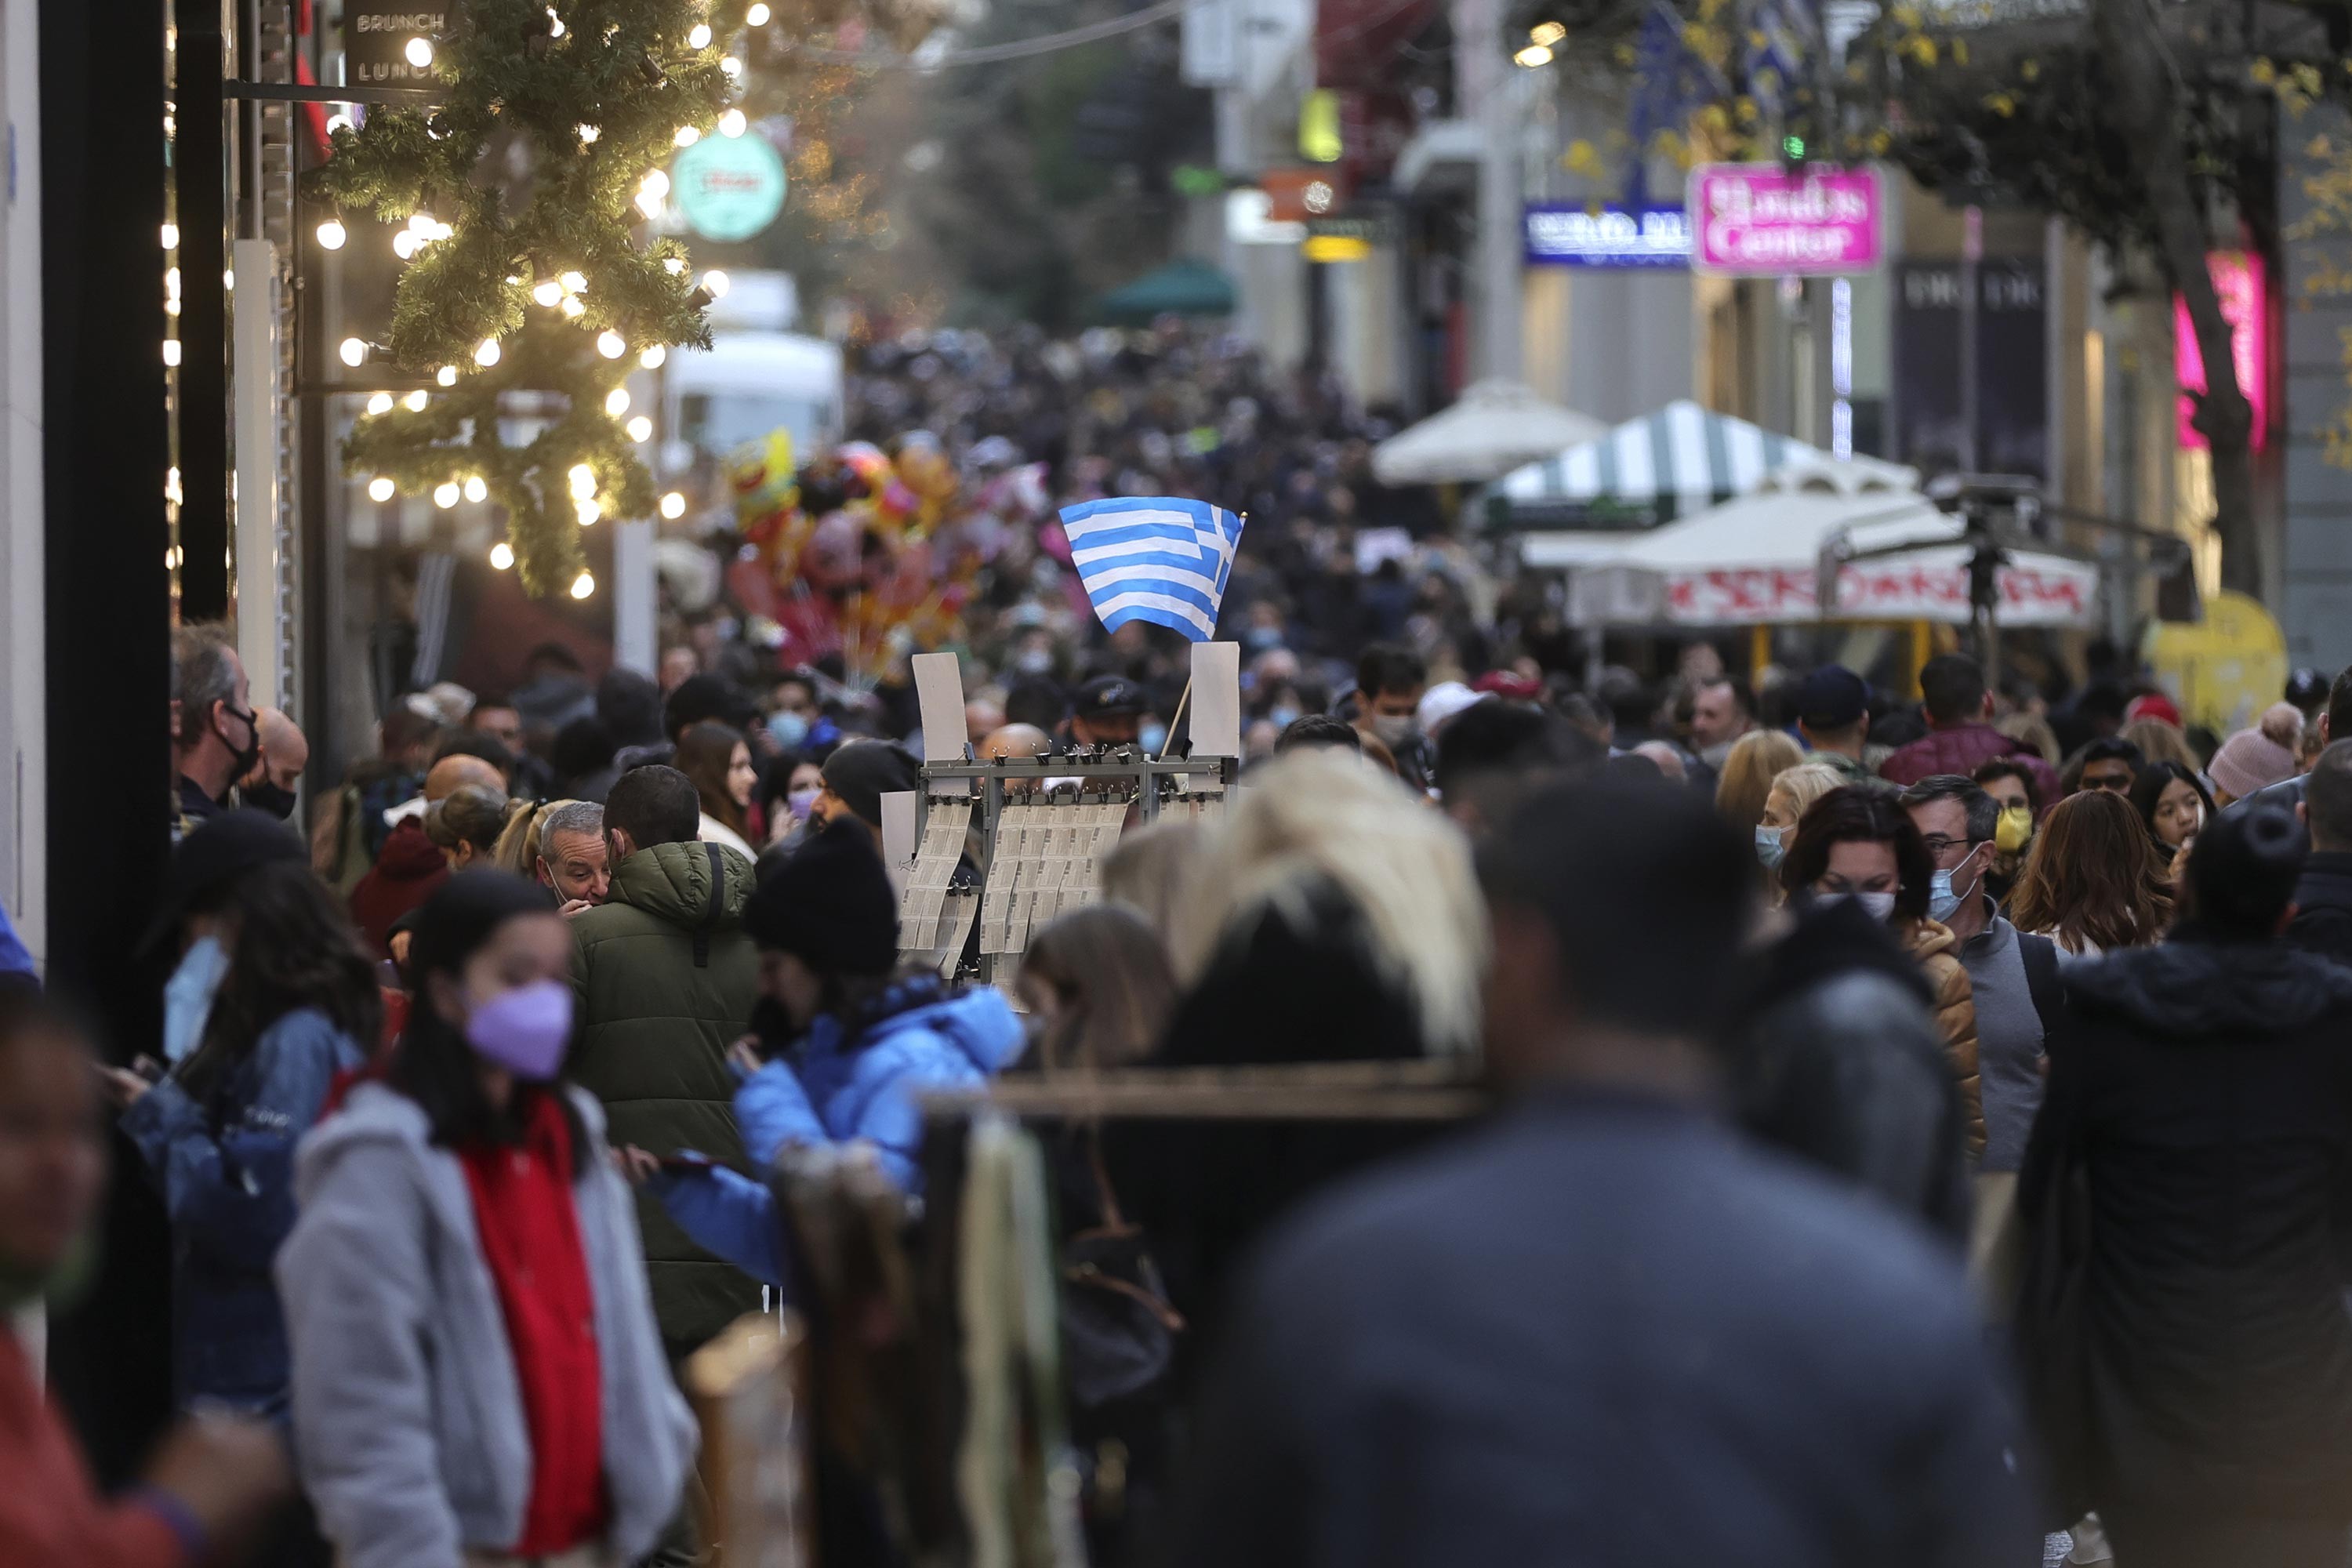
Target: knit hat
[(862, 772), (2256, 759), (830, 904)]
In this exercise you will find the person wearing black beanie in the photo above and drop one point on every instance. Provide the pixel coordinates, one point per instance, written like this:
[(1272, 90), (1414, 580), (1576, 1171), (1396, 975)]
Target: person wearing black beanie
[(2202, 1090), (857, 775)]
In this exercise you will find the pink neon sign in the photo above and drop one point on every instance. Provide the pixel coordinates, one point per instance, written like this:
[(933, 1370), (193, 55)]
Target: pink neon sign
[(2238, 278), (1762, 220)]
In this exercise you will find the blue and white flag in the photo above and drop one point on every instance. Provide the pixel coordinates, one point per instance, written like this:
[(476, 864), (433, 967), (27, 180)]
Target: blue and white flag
[(1154, 558)]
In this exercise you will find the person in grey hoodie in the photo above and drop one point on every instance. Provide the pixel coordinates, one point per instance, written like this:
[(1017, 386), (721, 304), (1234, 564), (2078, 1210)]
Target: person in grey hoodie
[(476, 1374)]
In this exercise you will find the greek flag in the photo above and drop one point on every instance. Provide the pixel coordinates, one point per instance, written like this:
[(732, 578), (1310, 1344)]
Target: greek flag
[(1154, 558)]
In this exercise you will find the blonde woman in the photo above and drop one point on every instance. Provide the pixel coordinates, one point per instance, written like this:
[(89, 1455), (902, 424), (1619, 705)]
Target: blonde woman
[(1792, 790), (1756, 759)]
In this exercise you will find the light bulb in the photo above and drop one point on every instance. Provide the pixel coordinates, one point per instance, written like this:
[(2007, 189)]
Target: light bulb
[(419, 52), (332, 234), (172, 486), (584, 585), (584, 481), (734, 124), (353, 352), (589, 513), (170, 236), (611, 344), (653, 357), (172, 282), (421, 224), (477, 491), (757, 17), (729, 66), (673, 265), (547, 291), (380, 404), (446, 494), (228, 279), (380, 488), (672, 506), (415, 402), (171, 307), (447, 375), (501, 556), (716, 281), (588, 135), (171, 351), (487, 354), (338, 121), (554, 24), (649, 204), (699, 36), (687, 136), (617, 402), (573, 309), (403, 244), (656, 183), (640, 429), (574, 283)]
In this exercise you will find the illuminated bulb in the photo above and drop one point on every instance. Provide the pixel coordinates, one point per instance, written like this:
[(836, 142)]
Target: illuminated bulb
[(656, 183), (589, 513), (716, 281), (687, 136), (380, 404), (172, 282), (757, 17), (332, 234), (415, 402), (554, 25), (338, 121), (228, 279), (617, 402), (170, 236), (171, 351), (501, 556), (699, 36), (611, 344), (171, 307), (640, 429), (447, 375), (419, 52), (734, 124), (588, 135), (446, 494), (477, 490), (171, 486), (380, 488), (584, 481), (487, 354), (403, 245), (673, 265), (672, 506), (573, 309), (574, 283), (353, 351), (421, 224), (729, 66), (649, 204), (653, 357), (582, 585), (547, 291)]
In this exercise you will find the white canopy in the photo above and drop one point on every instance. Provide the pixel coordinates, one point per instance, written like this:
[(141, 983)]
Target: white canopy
[(1756, 560), (1492, 428)]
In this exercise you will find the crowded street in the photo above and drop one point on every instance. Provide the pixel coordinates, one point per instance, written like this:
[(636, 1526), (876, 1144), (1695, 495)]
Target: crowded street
[(1086, 784)]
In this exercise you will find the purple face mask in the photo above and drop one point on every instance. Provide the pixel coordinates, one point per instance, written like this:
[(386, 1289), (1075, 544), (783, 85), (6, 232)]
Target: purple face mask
[(524, 1030)]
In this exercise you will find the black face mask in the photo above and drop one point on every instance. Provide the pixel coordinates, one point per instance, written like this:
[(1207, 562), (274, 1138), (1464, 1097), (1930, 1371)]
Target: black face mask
[(248, 753), (274, 798)]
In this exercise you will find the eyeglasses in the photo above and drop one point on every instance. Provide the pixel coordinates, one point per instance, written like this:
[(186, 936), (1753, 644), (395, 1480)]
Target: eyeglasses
[(1940, 844)]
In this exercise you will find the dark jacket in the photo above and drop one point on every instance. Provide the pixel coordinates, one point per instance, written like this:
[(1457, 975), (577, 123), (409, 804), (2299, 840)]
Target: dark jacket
[(1839, 1059), (2203, 1092), (667, 976), (225, 1164), (2323, 900), (1604, 1333), (405, 875), (1959, 748)]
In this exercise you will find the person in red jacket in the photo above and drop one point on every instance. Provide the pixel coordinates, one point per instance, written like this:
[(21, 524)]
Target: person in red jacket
[(1952, 690), (215, 1476)]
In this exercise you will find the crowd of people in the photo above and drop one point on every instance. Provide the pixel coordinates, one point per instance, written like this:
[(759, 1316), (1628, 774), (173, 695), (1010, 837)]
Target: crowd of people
[(1911, 1141)]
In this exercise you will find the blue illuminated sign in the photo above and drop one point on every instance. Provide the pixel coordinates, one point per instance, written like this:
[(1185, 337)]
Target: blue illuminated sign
[(1563, 234)]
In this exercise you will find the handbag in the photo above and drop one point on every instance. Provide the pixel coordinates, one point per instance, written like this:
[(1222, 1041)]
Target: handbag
[(1118, 1330)]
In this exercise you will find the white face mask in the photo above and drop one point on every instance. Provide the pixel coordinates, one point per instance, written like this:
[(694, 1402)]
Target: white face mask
[(1393, 729), (1880, 906)]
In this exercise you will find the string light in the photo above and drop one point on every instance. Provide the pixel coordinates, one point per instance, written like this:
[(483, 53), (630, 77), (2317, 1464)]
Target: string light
[(228, 279), (730, 67), (338, 121), (611, 344), (501, 556), (380, 404), (617, 402), (673, 265), (554, 24), (734, 124), (757, 17), (573, 309), (487, 354), (403, 244), (716, 281), (447, 375), (171, 491), (584, 481), (416, 401), (380, 488), (419, 52), (172, 306), (672, 506), (584, 585), (687, 136), (171, 352), (170, 282), (640, 429), (353, 351), (332, 234), (547, 291), (653, 357), (446, 494), (588, 135), (170, 236), (574, 283), (699, 36), (476, 490), (589, 513)]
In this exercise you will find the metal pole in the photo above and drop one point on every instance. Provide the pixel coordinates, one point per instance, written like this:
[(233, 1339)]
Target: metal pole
[(200, 172), (1971, 252), (1483, 81)]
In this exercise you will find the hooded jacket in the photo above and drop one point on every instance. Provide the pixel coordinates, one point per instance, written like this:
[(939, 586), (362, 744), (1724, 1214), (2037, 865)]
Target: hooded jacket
[(666, 976), (408, 1419), (407, 871), (2204, 1094)]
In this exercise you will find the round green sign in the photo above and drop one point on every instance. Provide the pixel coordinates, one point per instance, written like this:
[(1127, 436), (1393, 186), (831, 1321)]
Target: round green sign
[(728, 187)]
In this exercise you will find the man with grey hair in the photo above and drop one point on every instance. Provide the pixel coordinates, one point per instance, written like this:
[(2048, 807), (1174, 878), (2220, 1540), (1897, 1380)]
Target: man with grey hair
[(218, 735), (572, 860)]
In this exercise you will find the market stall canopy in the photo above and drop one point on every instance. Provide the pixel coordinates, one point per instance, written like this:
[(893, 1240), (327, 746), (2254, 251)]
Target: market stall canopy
[(1182, 288), (1757, 560), (1494, 427), (1646, 471)]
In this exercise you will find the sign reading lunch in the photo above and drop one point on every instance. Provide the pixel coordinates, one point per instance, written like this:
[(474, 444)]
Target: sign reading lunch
[(1760, 220)]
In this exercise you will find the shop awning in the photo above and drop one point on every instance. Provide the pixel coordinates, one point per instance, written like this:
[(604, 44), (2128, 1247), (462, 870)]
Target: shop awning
[(1492, 428), (1646, 471), (1183, 288)]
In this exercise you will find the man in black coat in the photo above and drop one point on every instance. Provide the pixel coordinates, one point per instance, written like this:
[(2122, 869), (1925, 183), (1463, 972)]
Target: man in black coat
[(2322, 896), (1603, 1331)]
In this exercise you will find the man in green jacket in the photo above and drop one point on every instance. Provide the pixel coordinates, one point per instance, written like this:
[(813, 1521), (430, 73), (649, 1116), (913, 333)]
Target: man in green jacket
[(667, 976)]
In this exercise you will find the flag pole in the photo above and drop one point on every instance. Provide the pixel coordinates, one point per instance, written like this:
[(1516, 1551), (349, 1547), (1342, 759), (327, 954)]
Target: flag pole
[(1182, 698)]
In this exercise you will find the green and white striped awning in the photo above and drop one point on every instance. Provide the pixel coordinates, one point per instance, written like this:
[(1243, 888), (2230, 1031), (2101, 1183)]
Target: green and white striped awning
[(1673, 463)]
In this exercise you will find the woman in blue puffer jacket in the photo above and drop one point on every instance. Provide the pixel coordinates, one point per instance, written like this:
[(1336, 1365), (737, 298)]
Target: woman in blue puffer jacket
[(852, 1047)]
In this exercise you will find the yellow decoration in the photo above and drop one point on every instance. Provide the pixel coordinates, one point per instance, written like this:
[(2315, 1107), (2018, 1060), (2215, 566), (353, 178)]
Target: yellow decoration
[(2224, 669)]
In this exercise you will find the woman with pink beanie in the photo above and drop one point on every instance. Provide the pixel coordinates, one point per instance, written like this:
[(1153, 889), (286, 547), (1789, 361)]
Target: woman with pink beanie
[(2260, 757)]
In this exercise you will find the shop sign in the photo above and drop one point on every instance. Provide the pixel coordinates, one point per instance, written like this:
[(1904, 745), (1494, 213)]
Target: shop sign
[(376, 40), (2238, 278), (728, 187), (1566, 234), (1761, 220)]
